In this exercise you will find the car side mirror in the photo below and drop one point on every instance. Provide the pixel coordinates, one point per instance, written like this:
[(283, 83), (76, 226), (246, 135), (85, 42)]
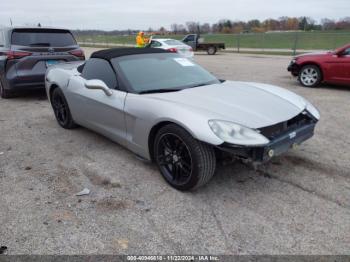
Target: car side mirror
[(340, 52), (98, 84)]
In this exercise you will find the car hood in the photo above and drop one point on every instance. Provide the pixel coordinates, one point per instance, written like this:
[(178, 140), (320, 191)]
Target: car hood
[(314, 54), (253, 105)]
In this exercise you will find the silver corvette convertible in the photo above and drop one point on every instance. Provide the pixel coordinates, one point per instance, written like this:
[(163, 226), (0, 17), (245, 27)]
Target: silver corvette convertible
[(167, 109)]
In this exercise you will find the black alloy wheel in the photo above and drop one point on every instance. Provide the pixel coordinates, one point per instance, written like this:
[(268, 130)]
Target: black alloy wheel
[(185, 162), (61, 109), (174, 159)]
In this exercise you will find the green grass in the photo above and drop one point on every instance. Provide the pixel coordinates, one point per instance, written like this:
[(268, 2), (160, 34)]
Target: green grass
[(280, 40)]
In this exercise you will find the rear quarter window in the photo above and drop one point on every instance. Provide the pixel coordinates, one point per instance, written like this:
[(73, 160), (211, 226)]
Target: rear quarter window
[(100, 69), (40, 37)]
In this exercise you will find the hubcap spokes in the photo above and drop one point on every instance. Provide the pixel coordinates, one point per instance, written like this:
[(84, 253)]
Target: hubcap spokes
[(309, 76), (174, 159)]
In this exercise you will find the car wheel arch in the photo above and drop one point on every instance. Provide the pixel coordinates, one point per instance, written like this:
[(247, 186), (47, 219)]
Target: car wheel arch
[(154, 130), (313, 64), (51, 89)]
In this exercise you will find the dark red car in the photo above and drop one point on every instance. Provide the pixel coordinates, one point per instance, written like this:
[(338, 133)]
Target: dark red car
[(332, 67)]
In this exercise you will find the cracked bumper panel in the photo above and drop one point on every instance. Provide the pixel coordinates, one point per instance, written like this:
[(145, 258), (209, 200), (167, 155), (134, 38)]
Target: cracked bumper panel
[(276, 147), (293, 68)]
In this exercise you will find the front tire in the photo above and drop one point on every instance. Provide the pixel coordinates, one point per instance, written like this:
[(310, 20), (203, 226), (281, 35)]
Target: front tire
[(61, 109), (310, 76), (184, 162)]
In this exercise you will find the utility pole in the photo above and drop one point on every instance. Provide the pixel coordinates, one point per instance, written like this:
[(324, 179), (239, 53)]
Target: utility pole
[(11, 21), (238, 42), (295, 44)]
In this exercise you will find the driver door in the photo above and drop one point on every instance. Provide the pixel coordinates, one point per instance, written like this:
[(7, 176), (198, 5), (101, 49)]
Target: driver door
[(340, 68), (93, 108)]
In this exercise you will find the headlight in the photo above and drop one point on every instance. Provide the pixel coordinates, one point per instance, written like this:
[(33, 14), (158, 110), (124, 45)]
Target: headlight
[(236, 134), (312, 110), (293, 61)]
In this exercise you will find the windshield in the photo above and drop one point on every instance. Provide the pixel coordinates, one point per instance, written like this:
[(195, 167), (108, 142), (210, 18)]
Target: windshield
[(173, 42), (42, 37), (148, 72)]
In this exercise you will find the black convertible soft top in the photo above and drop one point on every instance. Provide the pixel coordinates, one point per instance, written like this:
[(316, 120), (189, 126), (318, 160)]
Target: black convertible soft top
[(109, 54)]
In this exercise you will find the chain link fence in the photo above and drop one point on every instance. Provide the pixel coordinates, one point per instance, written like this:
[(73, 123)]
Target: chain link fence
[(274, 42)]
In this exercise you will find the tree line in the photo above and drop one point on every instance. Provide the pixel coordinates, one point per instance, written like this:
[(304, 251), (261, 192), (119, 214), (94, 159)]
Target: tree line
[(228, 26), (284, 23)]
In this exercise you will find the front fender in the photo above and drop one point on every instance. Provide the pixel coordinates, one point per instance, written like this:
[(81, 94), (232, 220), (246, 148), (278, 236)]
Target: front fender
[(143, 113), (312, 62)]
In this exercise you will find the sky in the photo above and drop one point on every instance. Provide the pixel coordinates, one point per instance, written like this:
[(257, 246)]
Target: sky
[(143, 14)]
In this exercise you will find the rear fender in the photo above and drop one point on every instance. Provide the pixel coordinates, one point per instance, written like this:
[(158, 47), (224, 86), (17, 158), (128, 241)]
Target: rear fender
[(57, 77)]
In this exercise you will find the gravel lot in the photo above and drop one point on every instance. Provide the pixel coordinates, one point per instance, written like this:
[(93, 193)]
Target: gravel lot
[(297, 204)]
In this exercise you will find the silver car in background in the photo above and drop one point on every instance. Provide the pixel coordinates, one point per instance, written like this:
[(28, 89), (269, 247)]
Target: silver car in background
[(172, 45), (167, 109)]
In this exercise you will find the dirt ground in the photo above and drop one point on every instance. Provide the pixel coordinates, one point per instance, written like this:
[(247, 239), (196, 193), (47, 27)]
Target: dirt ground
[(299, 203)]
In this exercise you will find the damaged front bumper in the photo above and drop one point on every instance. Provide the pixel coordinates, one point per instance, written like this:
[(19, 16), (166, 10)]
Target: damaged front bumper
[(294, 68), (277, 146)]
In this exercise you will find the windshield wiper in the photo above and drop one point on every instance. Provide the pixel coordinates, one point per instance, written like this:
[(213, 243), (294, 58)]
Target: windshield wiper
[(205, 84), (198, 85), (159, 91), (40, 44)]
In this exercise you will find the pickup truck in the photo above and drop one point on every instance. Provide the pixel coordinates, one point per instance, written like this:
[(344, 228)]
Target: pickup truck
[(194, 41)]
